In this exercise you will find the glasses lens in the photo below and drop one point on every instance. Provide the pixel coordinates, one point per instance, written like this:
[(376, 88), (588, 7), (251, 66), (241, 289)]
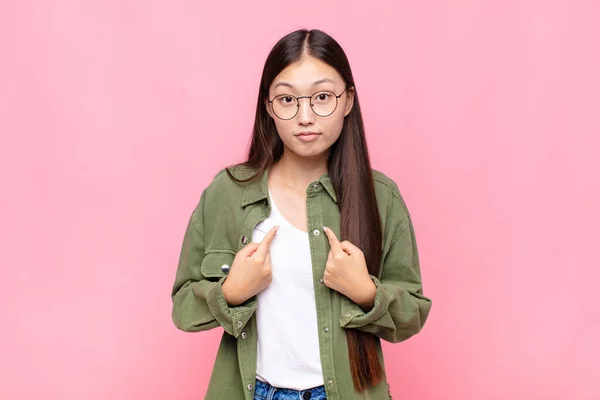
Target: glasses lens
[(285, 106), (323, 103)]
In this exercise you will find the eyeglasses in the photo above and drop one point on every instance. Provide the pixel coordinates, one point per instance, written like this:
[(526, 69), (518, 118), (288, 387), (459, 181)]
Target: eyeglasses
[(323, 103)]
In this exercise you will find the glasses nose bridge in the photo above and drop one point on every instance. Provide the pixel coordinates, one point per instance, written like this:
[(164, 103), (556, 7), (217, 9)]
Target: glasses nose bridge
[(309, 104)]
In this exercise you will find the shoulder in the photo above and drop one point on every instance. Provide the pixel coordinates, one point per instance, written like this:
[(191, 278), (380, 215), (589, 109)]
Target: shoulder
[(230, 183), (224, 190), (230, 177), (386, 186), (390, 201)]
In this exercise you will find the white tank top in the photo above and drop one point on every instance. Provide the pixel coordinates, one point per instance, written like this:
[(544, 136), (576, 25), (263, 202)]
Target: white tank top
[(288, 341)]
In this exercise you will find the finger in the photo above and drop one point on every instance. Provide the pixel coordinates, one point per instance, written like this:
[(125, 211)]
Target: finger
[(263, 247), (349, 248), (248, 250), (333, 241)]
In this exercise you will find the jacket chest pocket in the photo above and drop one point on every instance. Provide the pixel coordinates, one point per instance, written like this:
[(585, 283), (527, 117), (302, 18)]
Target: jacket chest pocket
[(216, 264)]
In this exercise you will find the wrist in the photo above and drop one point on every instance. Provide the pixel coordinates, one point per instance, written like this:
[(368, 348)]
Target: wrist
[(366, 297), (229, 293)]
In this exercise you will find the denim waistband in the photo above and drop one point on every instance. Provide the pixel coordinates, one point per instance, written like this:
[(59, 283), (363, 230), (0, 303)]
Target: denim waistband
[(264, 391)]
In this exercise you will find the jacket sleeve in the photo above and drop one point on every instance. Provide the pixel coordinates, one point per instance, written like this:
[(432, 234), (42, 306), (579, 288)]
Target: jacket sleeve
[(400, 308), (198, 301)]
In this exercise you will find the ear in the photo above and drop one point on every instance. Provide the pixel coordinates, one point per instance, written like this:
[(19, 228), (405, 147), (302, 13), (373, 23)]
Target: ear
[(349, 100), (269, 111)]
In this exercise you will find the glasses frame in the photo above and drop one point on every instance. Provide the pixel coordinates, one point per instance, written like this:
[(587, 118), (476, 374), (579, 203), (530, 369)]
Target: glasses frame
[(337, 96)]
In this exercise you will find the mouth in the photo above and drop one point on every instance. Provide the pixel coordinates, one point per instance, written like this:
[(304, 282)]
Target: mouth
[(307, 136)]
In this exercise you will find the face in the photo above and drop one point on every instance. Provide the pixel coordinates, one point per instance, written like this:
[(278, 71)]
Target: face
[(308, 134)]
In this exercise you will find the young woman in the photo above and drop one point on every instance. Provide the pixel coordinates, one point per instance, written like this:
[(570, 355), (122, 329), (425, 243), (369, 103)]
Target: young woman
[(303, 254)]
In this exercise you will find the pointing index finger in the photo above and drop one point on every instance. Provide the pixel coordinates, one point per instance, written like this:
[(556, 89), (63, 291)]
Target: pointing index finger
[(336, 247), (263, 247)]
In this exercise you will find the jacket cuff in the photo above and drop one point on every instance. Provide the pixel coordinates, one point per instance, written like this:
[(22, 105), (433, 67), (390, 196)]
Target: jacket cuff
[(232, 319), (353, 316)]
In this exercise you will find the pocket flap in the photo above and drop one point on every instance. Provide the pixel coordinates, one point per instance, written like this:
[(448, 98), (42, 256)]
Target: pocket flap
[(216, 264)]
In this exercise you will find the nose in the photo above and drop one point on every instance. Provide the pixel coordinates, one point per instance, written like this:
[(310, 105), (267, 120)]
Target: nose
[(306, 116)]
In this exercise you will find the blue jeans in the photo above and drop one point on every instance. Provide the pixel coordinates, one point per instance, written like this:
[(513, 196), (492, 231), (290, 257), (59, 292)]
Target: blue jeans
[(264, 391)]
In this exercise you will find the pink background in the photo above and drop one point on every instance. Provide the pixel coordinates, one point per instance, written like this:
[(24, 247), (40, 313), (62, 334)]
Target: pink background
[(115, 114)]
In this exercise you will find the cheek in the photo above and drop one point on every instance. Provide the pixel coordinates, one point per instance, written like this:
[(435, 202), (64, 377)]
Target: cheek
[(334, 128), (284, 129)]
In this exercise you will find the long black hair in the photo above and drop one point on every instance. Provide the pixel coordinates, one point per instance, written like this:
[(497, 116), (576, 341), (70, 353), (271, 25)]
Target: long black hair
[(349, 169)]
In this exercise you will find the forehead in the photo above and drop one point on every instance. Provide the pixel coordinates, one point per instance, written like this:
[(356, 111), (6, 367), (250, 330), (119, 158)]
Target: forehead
[(304, 73)]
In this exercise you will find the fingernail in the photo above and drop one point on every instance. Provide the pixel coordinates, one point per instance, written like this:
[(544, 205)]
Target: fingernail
[(325, 228)]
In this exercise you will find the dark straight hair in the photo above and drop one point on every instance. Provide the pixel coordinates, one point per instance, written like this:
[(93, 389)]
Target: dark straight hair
[(349, 169)]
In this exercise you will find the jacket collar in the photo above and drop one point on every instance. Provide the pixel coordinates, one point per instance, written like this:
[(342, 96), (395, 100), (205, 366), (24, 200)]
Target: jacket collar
[(259, 190)]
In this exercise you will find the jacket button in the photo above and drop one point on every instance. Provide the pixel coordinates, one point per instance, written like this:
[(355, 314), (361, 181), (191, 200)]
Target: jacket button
[(249, 387), (225, 268), (321, 280), (244, 335), (326, 330), (245, 239), (316, 232), (240, 323), (330, 383)]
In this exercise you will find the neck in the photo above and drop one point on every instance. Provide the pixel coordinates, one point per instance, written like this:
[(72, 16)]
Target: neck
[(298, 172)]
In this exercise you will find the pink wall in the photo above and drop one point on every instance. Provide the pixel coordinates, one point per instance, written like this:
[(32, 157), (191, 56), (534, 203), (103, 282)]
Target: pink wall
[(115, 114)]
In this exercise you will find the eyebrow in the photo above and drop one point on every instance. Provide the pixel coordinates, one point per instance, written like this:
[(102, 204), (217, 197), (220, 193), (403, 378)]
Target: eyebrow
[(315, 83)]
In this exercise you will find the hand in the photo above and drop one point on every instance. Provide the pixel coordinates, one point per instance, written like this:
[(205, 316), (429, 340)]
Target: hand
[(250, 272), (346, 272)]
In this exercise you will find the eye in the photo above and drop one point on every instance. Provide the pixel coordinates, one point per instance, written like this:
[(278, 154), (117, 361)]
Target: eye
[(285, 100), (323, 97)]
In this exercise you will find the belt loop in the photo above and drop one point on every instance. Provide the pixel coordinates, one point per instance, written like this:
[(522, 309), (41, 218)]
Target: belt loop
[(271, 394)]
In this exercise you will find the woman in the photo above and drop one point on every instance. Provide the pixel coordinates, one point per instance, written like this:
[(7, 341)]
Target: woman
[(303, 254)]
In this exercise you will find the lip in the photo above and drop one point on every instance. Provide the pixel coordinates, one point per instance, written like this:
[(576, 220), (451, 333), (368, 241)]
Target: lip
[(307, 136)]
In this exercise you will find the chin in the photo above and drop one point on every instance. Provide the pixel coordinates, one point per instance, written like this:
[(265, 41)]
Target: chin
[(309, 153)]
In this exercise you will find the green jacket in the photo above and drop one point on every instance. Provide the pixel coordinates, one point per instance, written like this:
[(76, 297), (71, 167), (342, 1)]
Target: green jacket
[(222, 223)]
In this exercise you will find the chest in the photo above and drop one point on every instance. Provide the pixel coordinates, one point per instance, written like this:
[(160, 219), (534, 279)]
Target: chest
[(290, 249), (290, 207)]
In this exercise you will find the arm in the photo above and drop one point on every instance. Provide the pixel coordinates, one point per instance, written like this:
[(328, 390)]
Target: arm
[(198, 301), (400, 309)]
